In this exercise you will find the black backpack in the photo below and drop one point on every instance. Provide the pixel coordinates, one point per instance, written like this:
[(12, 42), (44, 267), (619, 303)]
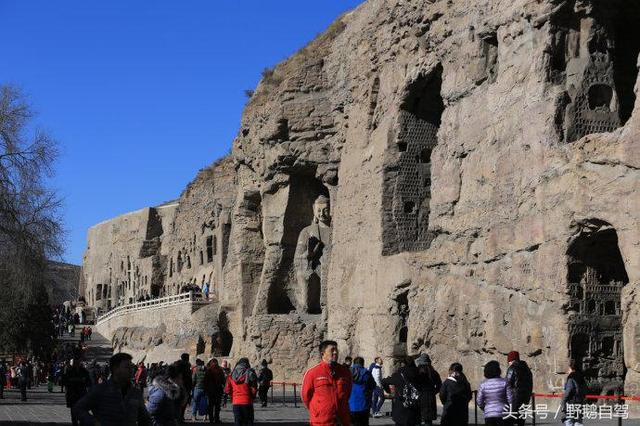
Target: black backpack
[(409, 394)]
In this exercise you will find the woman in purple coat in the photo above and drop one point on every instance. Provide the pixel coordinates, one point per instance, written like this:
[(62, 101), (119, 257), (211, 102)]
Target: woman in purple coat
[(494, 396)]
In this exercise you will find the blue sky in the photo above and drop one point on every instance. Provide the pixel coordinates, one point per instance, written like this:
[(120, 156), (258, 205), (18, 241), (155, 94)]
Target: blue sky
[(143, 94)]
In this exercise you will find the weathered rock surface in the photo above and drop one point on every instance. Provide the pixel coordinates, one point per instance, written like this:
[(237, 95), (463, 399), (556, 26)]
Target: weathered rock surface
[(63, 282), (476, 156)]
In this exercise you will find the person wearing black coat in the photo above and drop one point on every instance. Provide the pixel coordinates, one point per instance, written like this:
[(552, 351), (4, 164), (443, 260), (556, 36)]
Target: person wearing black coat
[(77, 382), (408, 374), (455, 395), (430, 388)]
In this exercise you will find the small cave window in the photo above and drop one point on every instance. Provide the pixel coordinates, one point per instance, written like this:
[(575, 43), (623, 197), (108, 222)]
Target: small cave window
[(490, 55), (404, 332), (171, 267), (179, 262), (424, 156), (608, 345), (610, 308), (209, 249), (99, 292), (201, 257), (600, 96), (188, 262), (215, 245)]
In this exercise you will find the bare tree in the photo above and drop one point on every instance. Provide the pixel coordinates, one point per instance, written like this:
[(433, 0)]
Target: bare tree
[(30, 224)]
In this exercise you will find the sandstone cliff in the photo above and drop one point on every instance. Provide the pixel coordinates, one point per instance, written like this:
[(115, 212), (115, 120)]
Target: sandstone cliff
[(482, 165)]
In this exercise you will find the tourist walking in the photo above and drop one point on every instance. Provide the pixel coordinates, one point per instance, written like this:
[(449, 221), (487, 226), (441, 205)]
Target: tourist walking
[(494, 395), (140, 377), (242, 386), (378, 393), (431, 383), (575, 390), (361, 392), (23, 379), (405, 407), (227, 372), (165, 400), (77, 382), (199, 402), (520, 381), (115, 402), (214, 382), (455, 395), (326, 388), (265, 377), (187, 382)]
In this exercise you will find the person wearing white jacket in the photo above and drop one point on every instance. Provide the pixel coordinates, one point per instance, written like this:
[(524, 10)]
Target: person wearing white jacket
[(378, 393)]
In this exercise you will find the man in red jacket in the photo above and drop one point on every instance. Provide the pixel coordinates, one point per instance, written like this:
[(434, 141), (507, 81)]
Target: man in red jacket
[(326, 389)]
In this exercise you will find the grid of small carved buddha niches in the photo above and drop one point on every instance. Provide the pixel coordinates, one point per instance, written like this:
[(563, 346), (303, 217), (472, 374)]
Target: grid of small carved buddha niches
[(412, 191), (589, 120)]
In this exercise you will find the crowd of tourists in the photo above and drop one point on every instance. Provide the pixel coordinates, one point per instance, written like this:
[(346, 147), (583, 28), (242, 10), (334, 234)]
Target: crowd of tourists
[(161, 394), (349, 393)]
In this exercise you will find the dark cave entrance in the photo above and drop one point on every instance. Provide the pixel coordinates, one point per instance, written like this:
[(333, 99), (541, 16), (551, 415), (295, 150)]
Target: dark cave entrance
[(596, 275)]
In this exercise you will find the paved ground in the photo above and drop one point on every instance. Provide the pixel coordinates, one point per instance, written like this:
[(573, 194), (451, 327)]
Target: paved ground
[(49, 408)]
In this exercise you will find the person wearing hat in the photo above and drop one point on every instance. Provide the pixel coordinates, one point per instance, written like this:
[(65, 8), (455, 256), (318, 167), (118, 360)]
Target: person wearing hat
[(520, 381), (430, 386)]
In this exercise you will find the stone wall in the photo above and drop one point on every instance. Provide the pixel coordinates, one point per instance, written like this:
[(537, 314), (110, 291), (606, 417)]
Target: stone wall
[(470, 152)]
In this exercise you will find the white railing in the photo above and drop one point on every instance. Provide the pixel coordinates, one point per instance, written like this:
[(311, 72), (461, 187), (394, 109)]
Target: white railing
[(162, 302)]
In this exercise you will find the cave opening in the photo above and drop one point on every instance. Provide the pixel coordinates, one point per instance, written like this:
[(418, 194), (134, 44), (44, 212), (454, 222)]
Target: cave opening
[(407, 187), (303, 191), (596, 275)]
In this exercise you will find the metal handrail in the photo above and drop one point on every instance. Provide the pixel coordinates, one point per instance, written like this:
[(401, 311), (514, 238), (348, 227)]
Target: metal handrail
[(161, 302)]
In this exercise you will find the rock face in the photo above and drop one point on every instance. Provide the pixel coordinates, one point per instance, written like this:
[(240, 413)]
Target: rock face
[(482, 166), (64, 281)]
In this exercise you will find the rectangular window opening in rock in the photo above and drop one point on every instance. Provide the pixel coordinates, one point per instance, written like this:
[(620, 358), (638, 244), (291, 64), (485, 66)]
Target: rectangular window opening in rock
[(596, 275), (209, 249), (407, 186), (489, 44)]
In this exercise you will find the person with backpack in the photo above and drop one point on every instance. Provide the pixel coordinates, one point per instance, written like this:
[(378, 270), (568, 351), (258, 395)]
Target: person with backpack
[(494, 395), (520, 380), (405, 407), (575, 390), (431, 384), (455, 395), (265, 377), (326, 388), (242, 386), (361, 391)]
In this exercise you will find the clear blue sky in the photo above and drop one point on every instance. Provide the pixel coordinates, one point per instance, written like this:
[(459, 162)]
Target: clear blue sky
[(143, 94)]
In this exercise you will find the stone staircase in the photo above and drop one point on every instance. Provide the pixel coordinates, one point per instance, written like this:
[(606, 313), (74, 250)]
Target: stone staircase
[(98, 348)]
